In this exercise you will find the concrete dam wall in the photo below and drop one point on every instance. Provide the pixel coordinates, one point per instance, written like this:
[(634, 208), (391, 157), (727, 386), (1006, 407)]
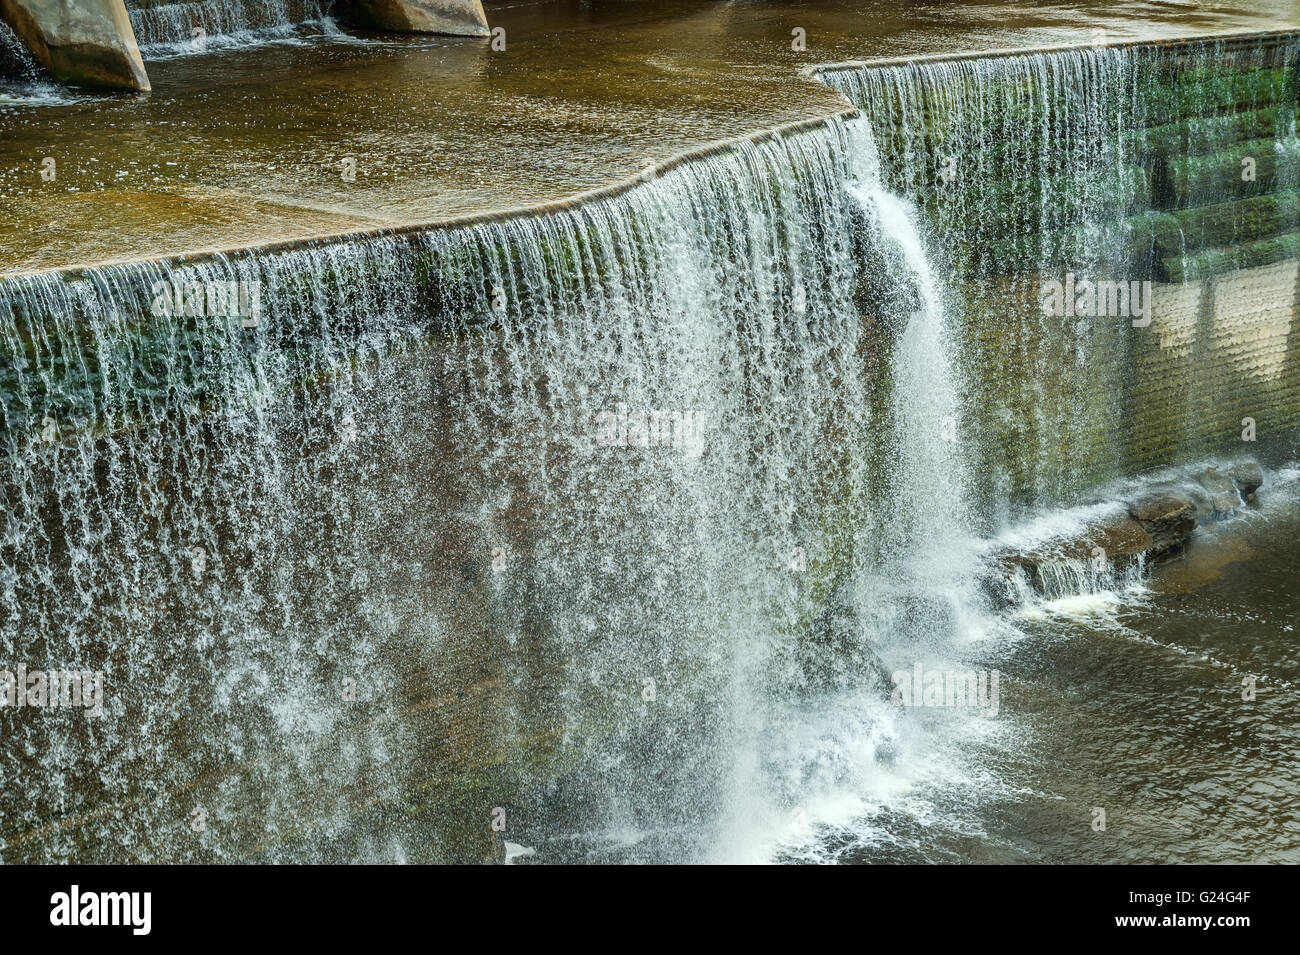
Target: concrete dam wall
[(1174, 167), (565, 514), (84, 42)]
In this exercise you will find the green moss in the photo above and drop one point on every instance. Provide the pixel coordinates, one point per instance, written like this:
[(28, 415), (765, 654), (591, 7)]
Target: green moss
[(1219, 260)]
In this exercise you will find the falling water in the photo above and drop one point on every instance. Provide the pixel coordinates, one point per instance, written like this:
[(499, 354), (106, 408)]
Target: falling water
[(834, 755), (580, 497), (197, 26), (931, 499), (609, 521), (15, 60)]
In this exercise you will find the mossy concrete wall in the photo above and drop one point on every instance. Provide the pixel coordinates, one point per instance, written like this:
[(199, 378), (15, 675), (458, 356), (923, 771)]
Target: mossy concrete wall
[(1056, 405), (1173, 163)]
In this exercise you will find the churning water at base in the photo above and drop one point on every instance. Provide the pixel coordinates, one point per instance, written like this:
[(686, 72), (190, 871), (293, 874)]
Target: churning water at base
[(22, 81), (1163, 700)]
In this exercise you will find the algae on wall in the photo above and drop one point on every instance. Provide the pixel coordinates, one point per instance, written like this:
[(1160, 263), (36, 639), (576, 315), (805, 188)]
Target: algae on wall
[(1174, 164)]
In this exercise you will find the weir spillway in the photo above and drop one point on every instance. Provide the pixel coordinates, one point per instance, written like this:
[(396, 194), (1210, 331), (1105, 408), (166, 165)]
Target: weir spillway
[(195, 26), (610, 506)]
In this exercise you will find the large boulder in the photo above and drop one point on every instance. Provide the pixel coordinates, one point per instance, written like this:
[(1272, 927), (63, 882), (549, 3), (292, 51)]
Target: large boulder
[(1221, 489), (450, 17), (84, 42), (1202, 501), (1167, 516)]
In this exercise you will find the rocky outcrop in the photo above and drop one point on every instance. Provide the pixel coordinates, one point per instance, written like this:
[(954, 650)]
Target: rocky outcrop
[(1168, 519), (450, 17), (1249, 478), (1120, 540), (1156, 522), (83, 42)]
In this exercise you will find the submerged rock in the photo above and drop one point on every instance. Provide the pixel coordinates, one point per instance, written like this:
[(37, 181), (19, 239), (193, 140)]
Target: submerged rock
[(1202, 501), (1221, 489)]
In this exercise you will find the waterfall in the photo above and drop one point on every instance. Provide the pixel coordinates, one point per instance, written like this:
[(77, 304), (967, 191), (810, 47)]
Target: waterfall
[(577, 491), (931, 496), (908, 589), (609, 519), (196, 26)]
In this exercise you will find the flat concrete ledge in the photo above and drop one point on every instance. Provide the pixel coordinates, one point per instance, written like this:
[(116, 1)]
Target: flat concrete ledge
[(1227, 40), (281, 184), (82, 42), (449, 224), (447, 17)]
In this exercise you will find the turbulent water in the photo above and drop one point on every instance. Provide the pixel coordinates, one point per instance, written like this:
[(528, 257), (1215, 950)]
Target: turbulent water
[(602, 531), (197, 26), (15, 61), (23, 82)]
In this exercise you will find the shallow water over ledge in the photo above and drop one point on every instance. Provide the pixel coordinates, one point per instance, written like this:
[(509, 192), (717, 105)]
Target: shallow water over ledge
[(241, 147)]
